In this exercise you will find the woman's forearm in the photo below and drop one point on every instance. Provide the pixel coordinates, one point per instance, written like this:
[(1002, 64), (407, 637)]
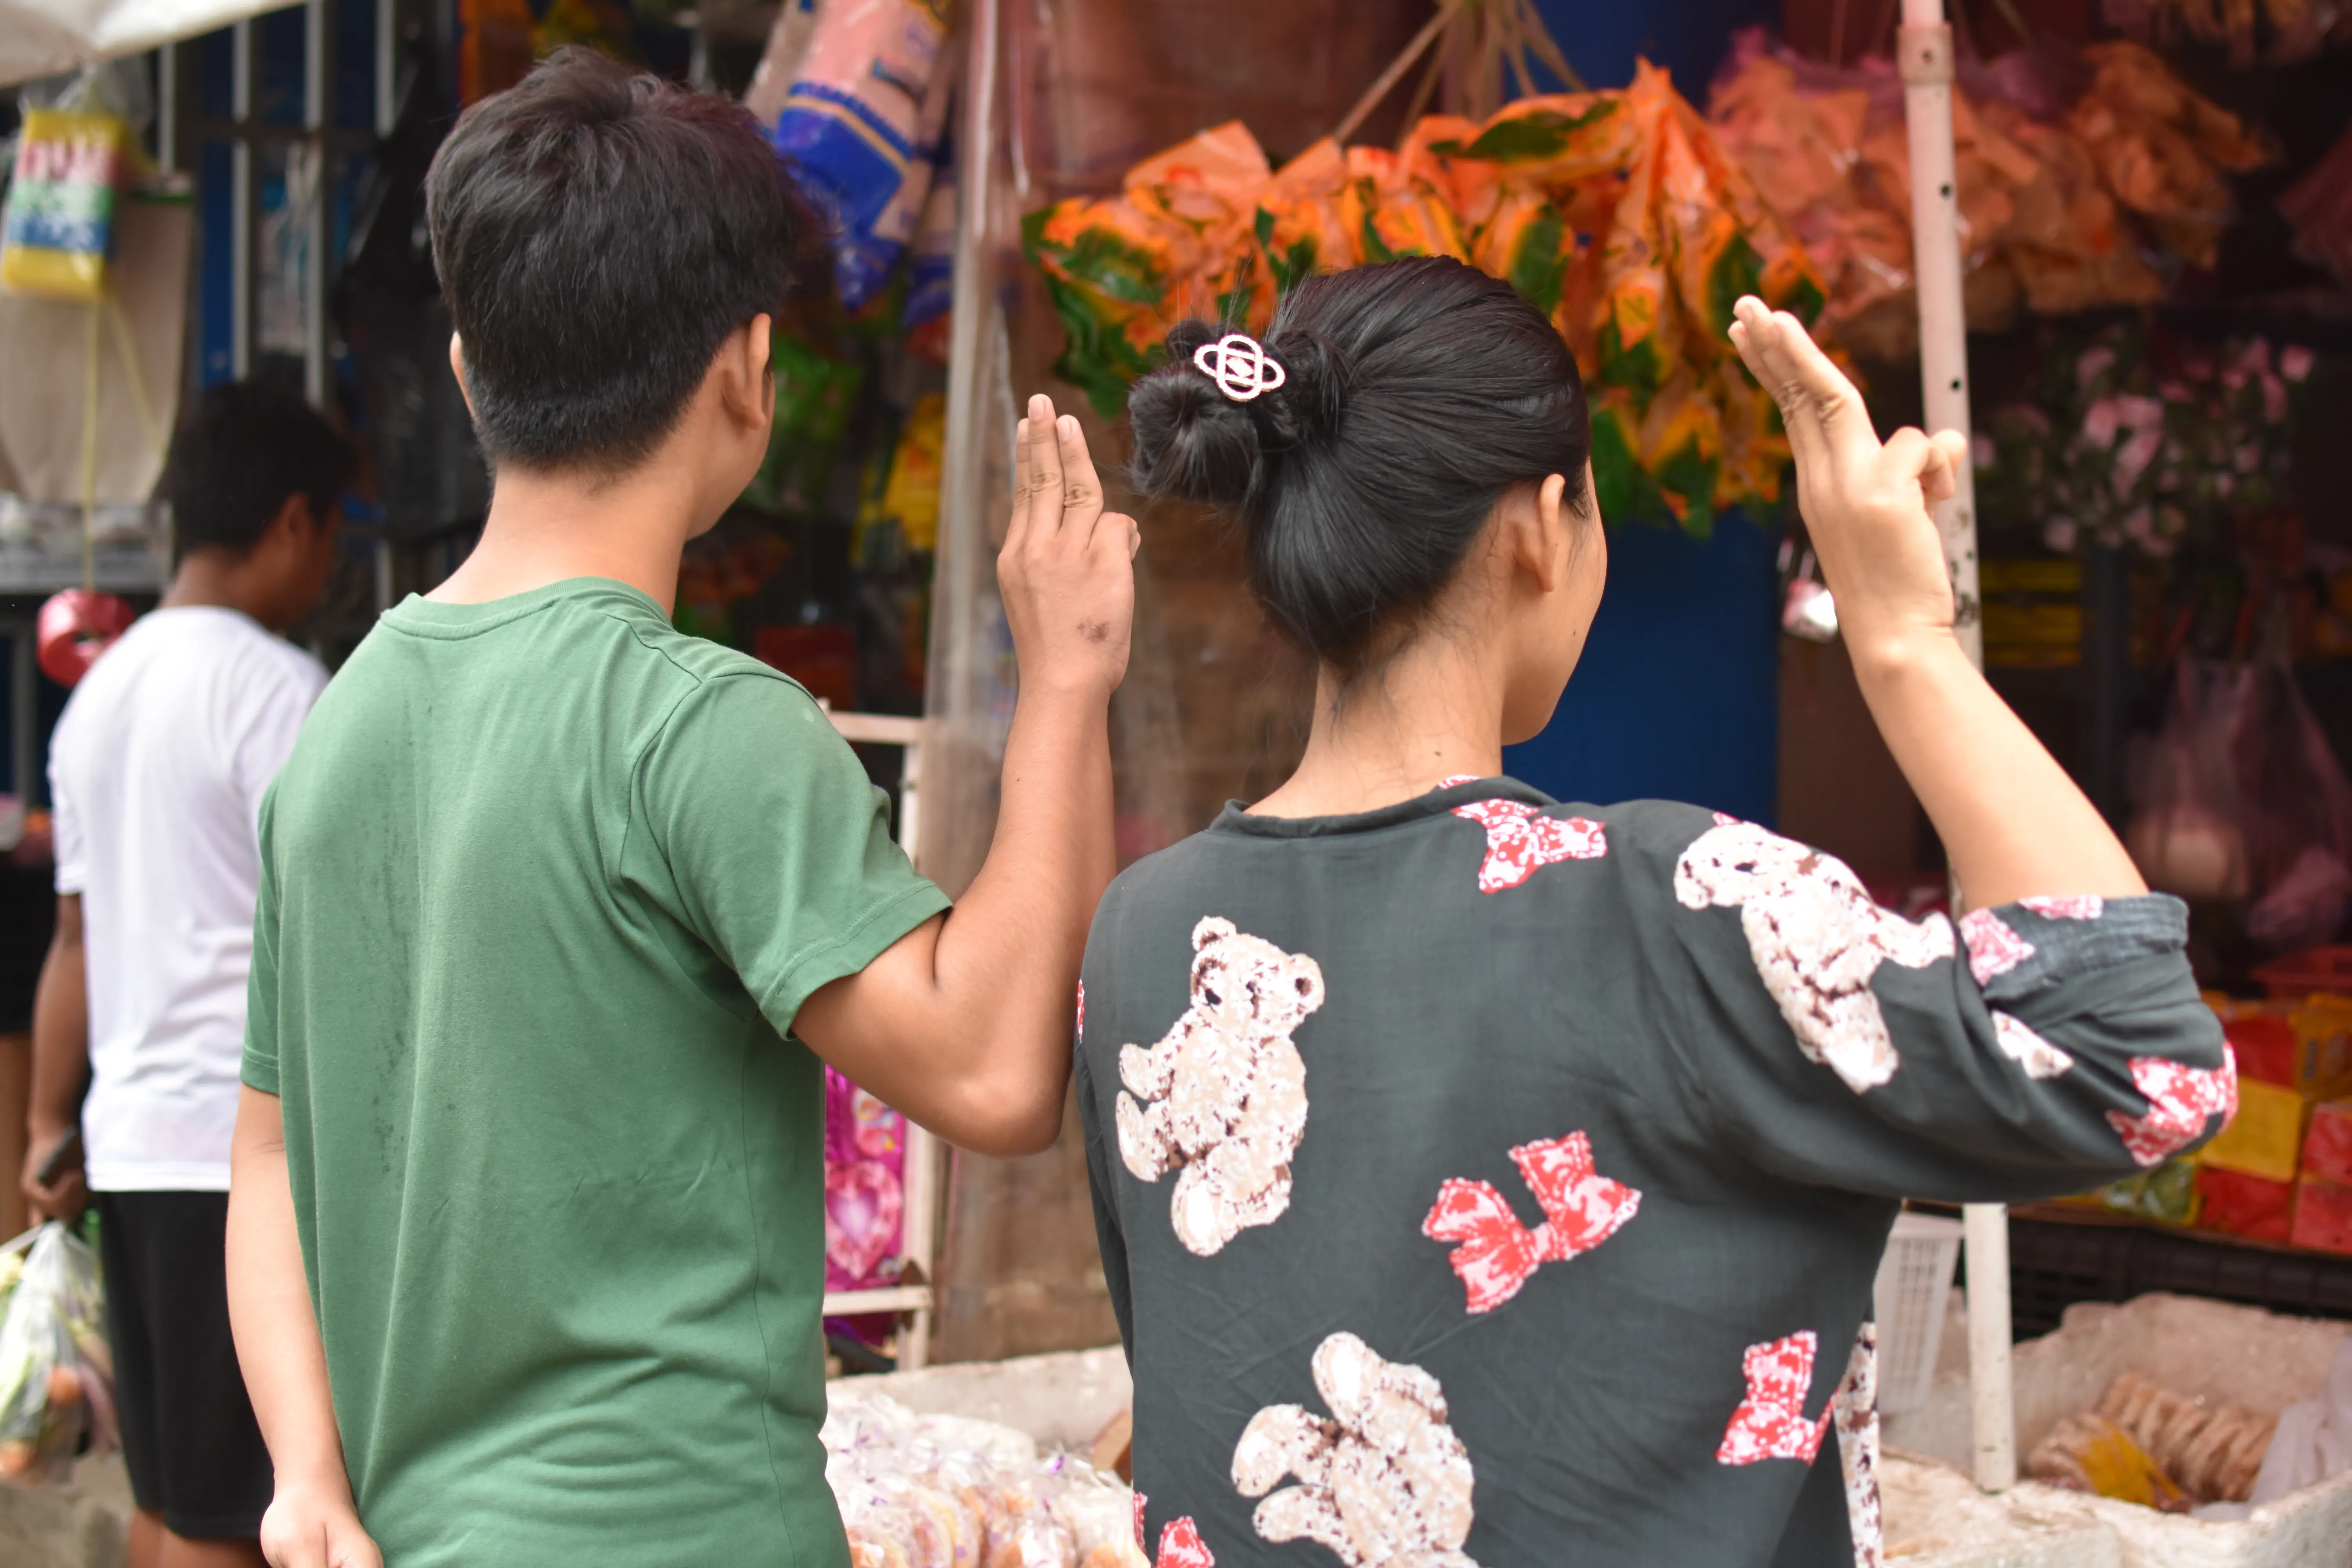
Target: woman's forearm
[(271, 1314), (2014, 823)]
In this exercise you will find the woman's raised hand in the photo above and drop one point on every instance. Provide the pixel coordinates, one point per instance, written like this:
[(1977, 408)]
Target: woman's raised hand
[(1869, 507)]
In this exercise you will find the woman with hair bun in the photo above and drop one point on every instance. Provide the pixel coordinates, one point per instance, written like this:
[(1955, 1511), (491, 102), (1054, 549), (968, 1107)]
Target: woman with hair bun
[(1488, 1180)]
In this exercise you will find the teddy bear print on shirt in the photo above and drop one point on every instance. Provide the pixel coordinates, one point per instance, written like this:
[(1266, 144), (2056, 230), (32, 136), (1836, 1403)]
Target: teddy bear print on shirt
[(1383, 1481), (1222, 1094), (1817, 938)]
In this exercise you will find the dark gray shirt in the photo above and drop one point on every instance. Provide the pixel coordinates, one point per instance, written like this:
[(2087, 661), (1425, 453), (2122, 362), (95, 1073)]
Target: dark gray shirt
[(1487, 1180)]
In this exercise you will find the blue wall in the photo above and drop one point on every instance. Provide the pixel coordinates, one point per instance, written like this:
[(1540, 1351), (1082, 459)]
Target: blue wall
[(1678, 693)]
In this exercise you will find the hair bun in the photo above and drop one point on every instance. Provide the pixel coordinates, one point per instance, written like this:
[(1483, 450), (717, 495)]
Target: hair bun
[(1314, 393), (1191, 441)]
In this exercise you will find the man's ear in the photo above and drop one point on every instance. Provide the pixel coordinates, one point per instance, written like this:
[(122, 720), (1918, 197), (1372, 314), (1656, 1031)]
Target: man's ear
[(458, 369), (749, 383), (291, 521)]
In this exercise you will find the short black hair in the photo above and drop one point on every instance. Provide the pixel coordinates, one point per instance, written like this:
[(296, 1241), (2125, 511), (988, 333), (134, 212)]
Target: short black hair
[(598, 232), (242, 449), (1417, 394)]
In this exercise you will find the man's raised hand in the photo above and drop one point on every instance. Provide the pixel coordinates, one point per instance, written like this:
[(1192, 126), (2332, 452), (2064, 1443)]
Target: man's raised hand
[(1066, 572), (1869, 507)]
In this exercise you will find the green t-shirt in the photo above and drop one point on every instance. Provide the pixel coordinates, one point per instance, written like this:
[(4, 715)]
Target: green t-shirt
[(542, 887)]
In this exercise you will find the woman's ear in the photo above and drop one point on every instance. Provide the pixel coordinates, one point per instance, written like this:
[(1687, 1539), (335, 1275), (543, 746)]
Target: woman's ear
[(1547, 536)]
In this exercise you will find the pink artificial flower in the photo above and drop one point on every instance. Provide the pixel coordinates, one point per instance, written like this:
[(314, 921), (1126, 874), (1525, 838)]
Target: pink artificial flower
[(2060, 534), (2273, 398), (2099, 423), (2132, 462), (1981, 451), (2093, 363), (2250, 458), (2296, 363), (2140, 413)]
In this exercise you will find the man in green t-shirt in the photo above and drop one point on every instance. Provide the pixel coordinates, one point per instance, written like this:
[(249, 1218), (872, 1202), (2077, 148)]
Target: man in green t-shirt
[(525, 1239)]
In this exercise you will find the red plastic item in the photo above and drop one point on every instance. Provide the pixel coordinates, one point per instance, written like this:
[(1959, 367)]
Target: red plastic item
[(822, 657), (74, 628), (2250, 1206), (2328, 1142), (2304, 973), (2323, 1217), (2265, 1046)]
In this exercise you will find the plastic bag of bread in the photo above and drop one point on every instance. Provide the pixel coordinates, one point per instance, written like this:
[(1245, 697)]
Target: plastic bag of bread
[(2213, 1452), (2088, 1452)]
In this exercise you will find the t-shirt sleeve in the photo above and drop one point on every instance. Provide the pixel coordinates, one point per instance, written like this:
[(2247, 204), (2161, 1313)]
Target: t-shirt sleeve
[(2041, 1049), (269, 723), (779, 845), (259, 1068), (64, 826)]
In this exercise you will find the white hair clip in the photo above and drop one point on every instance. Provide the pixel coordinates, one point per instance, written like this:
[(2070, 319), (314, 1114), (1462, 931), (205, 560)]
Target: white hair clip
[(1239, 366)]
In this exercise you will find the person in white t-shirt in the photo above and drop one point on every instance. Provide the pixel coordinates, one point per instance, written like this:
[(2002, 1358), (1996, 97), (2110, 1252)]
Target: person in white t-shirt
[(156, 773)]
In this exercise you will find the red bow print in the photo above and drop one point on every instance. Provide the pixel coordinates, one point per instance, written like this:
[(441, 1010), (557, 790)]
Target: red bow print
[(1180, 1546), (2180, 1099), (1771, 1422), (1497, 1255), (1519, 838)]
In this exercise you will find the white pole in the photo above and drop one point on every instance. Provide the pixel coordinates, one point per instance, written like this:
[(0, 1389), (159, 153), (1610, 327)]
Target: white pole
[(1924, 50)]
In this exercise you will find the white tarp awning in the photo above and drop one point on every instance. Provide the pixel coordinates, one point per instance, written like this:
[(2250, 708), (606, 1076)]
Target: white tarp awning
[(42, 37)]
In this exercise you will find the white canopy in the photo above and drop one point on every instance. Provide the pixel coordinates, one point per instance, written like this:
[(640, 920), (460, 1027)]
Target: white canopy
[(42, 37)]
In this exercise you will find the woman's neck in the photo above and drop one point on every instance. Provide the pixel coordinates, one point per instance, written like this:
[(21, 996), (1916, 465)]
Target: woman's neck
[(1431, 711)]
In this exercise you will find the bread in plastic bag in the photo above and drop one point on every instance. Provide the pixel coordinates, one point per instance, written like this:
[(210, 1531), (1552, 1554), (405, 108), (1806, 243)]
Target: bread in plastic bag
[(944, 1491), (56, 1373)]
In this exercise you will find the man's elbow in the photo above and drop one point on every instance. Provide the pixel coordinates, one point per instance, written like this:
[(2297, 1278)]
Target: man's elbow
[(1009, 1121)]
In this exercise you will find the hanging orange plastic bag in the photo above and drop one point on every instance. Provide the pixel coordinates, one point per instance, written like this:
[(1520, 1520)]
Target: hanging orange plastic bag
[(59, 223)]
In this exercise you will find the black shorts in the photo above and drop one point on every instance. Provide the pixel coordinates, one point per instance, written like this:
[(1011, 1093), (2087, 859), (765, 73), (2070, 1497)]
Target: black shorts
[(188, 1434)]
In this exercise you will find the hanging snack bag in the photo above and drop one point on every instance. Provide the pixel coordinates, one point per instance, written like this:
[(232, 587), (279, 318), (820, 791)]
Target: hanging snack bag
[(57, 1375), (857, 126), (60, 222)]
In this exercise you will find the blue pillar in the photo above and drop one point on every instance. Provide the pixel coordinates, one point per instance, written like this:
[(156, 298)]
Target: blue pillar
[(1678, 693)]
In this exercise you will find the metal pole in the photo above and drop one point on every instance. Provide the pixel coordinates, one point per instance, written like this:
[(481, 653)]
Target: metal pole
[(1924, 54), (240, 203), (314, 218), (387, 64), (167, 107)]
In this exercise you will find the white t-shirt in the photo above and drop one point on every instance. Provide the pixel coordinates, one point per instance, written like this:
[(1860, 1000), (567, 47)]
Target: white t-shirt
[(156, 773)]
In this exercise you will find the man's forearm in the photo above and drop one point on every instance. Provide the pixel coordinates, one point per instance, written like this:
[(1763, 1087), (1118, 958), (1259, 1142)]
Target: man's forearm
[(965, 1025), (2014, 823), (1010, 952), (60, 1039), (271, 1314)]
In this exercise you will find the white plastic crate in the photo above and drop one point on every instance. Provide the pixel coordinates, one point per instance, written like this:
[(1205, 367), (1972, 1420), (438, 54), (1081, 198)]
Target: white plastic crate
[(1915, 1285)]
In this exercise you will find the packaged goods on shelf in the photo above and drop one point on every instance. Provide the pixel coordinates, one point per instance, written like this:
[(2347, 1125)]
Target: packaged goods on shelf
[(2328, 1142), (2063, 192), (2254, 1207), (2323, 1217), (946, 1491), (861, 124), (1616, 213)]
